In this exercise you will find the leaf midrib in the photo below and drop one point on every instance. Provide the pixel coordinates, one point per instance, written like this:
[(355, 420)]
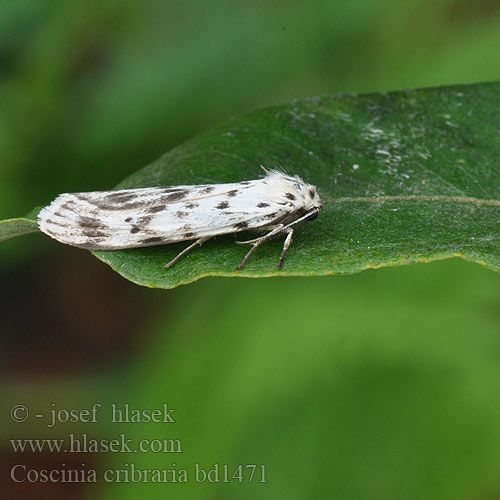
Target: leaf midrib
[(437, 198)]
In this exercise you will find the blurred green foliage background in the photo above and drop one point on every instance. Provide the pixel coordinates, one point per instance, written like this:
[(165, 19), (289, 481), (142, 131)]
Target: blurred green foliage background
[(380, 385)]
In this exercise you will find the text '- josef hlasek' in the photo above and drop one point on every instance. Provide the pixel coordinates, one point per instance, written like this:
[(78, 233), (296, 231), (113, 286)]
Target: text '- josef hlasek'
[(113, 413)]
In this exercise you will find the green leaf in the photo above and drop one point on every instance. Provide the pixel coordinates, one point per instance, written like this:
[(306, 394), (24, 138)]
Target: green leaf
[(405, 177), (9, 228)]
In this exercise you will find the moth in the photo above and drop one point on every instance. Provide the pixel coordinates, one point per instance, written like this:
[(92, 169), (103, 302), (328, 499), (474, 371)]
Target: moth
[(129, 218)]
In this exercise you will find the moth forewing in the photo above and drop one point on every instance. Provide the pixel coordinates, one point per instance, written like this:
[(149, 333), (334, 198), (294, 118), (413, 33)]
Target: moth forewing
[(131, 218)]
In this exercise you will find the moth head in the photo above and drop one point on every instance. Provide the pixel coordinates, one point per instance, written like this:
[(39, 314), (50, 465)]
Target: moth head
[(312, 199), (306, 194), (297, 192)]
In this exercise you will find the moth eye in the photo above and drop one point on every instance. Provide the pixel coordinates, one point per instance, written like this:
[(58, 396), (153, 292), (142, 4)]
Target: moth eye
[(313, 216)]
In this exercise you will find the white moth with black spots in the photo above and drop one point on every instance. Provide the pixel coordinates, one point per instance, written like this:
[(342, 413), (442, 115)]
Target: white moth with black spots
[(131, 218)]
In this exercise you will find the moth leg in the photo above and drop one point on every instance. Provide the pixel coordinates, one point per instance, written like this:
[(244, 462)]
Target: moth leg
[(286, 246), (256, 244), (250, 252), (186, 250), (277, 229)]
